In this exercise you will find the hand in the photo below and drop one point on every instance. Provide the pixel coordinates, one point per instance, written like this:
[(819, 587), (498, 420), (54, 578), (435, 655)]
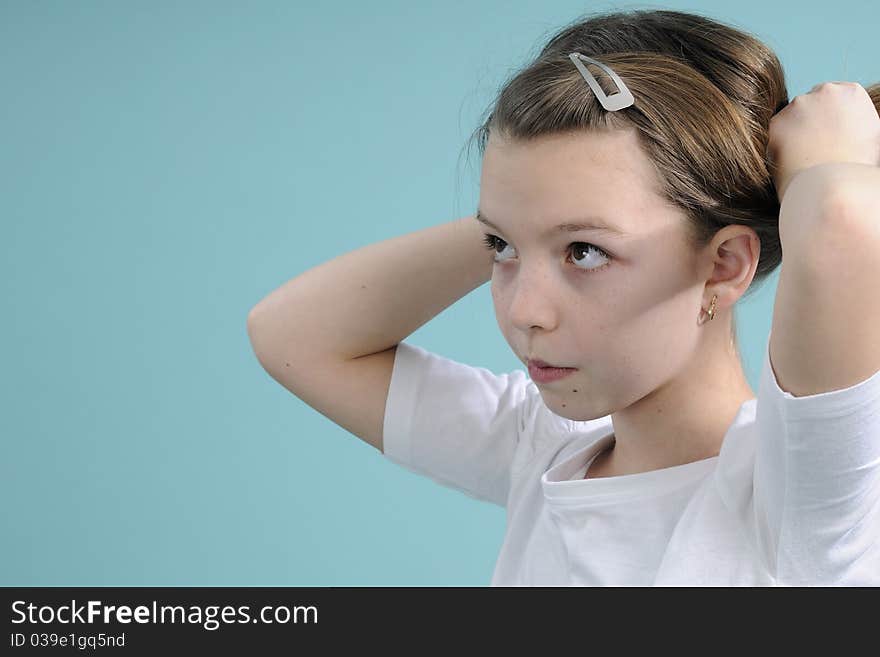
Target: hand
[(833, 122)]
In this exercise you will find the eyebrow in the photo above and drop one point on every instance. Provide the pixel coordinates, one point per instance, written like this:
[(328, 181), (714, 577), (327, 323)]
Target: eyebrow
[(567, 227)]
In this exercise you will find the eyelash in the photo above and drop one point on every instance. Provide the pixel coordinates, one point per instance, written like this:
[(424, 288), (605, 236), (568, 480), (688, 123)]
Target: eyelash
[(491, 242)]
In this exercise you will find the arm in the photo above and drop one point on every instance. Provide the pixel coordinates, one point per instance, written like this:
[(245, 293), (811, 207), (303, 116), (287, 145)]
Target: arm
[(370, 299), (826, 320), (330, 334), (814, 499)]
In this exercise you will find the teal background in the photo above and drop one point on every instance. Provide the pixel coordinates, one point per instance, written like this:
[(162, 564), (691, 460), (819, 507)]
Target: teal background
[(163, 167)]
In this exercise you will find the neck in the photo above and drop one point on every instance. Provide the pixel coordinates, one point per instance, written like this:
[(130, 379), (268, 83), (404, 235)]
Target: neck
[(686, 418)]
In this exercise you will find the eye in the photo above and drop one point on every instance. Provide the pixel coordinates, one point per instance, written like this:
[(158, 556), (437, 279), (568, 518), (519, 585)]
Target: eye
[(589, 250), (584, 254), (492, 243)]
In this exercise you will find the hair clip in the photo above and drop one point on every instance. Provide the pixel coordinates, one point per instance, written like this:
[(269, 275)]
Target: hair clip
[(622, 99)]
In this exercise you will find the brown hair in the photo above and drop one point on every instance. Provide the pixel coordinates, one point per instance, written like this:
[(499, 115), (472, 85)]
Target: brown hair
[(705, 93)]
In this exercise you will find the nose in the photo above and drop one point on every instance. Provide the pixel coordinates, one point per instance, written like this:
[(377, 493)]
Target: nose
[(530, 305)]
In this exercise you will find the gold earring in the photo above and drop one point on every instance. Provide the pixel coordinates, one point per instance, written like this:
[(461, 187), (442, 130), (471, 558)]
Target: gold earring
[(711, 311)]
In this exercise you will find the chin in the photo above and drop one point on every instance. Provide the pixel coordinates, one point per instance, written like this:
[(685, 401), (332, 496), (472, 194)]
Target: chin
[(573, 412)]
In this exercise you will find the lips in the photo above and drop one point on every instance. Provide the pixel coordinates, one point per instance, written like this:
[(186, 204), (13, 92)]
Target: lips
[(547, 374)]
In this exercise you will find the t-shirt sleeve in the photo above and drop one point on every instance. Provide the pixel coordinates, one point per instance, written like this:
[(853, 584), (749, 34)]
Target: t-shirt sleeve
[(817, 482), (454, 423)]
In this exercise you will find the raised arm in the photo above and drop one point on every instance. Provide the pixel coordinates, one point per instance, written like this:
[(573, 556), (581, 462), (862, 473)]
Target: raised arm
[(825, 150), (329, 335), (815, 497), (826, 321)]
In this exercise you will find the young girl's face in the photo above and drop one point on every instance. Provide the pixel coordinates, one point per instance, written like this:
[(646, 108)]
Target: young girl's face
[(619, 301)]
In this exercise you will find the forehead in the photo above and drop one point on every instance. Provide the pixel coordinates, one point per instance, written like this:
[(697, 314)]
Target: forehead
[(605, 173)]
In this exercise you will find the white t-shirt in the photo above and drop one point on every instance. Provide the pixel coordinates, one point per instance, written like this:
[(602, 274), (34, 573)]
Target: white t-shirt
[(793, 498)]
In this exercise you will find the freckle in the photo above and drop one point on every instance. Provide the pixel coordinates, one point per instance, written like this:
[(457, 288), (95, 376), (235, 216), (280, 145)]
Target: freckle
[(288, 364), (563, 406), (363, 287)]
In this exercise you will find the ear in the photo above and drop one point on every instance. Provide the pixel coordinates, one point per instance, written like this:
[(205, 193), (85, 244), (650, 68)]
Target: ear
[(730, 261)]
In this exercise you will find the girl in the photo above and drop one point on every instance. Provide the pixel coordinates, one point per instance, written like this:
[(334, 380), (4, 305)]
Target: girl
[(640, 176)]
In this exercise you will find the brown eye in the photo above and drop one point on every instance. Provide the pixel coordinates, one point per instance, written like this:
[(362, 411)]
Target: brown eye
[(592, 255), (493, 243), (582, 253)]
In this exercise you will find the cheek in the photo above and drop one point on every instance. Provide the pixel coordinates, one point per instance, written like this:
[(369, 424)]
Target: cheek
[(499, 308), (649, 348), (499, 304), (497, 295)]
